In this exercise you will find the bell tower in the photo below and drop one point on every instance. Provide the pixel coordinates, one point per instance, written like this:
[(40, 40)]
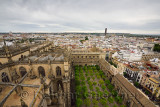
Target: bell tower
[(105, 31)]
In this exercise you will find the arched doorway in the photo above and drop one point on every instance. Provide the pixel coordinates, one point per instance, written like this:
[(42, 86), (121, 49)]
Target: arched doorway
[(58, 71), (41, 71), (5, 77), (22, 71)]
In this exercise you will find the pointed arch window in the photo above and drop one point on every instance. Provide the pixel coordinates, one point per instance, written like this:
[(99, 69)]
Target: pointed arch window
[(58, 71), (41, 71), (5, 77)]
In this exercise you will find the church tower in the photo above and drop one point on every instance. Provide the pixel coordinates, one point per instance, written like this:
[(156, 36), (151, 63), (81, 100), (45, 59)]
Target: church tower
[(105, 31)]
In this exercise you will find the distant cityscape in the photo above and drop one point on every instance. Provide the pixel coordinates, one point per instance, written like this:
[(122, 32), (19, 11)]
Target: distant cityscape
[(83, 69), (80, 53)]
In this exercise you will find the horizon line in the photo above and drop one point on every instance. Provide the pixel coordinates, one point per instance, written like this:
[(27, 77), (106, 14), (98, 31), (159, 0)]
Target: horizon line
[(81, 32)]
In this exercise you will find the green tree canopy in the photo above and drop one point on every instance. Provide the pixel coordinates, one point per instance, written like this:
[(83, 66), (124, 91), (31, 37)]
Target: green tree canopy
[(87, 102), (110, 99), (103, 101), (107, 82), (156, 47), (86, 38), (79, 102)]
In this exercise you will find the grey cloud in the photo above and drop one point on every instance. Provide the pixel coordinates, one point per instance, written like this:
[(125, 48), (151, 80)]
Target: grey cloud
[(80, 15)]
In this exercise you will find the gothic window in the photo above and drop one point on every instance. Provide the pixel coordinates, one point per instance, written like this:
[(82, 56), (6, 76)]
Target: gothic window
[(41, 71), (58, 71), (5, 77), (22, 71), (22, 56)]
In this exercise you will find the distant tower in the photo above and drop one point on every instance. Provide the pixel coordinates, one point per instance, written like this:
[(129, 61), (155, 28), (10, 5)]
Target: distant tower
[(105, 31)]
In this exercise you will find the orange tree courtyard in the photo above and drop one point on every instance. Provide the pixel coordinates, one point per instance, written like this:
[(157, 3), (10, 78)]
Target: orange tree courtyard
[(93, 89)]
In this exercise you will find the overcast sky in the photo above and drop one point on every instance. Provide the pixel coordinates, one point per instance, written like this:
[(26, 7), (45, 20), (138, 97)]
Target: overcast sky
[(127, 16)]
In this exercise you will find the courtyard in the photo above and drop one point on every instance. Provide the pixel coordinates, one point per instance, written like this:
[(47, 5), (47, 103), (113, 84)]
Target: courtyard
[(93, 89)]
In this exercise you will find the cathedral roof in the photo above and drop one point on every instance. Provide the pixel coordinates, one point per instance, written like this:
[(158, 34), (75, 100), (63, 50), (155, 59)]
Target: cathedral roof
[(136, 93)]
